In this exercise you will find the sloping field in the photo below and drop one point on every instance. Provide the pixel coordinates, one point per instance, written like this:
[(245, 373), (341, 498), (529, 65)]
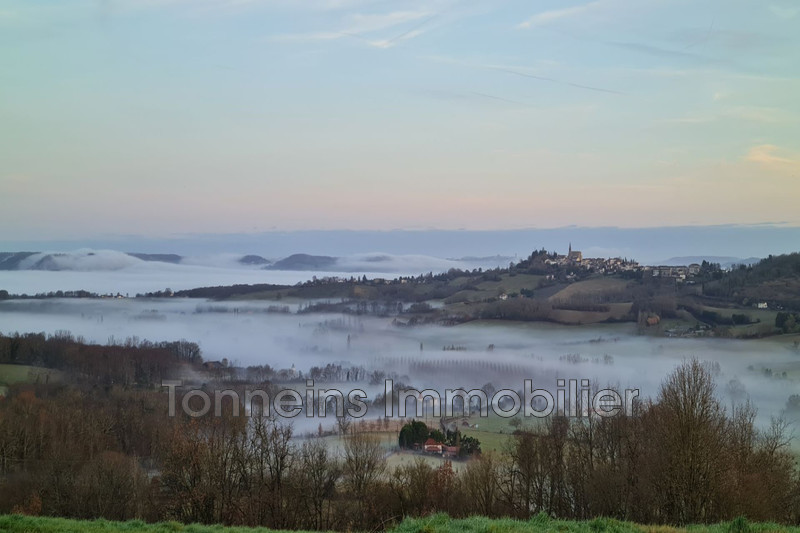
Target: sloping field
[(590, 288), (570, 316), (507, 284)]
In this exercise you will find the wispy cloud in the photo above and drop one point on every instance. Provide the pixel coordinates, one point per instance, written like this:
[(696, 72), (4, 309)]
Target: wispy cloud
[(774, 158), (388, 43), (360, 22), (547, 17), (362, 26)]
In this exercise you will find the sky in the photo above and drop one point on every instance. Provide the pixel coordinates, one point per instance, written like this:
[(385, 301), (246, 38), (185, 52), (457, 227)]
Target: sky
[(164, 117)]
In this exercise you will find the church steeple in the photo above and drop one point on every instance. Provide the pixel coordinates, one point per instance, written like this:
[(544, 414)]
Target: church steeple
[(570, 249)]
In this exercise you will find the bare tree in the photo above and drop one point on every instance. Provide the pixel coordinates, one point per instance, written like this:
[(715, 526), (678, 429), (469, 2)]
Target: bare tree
[(364, 467), (343, 423), (691, 435), (318, 475)]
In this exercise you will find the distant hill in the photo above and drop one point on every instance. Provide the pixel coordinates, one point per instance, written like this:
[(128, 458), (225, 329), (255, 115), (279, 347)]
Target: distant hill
[(87, 260), (11, 260), (161, 258), (253, 260), (724, 262), (500, 259), (304, 262)]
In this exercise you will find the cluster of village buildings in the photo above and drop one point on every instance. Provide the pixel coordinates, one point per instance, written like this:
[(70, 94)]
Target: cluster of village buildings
[(616, 265)]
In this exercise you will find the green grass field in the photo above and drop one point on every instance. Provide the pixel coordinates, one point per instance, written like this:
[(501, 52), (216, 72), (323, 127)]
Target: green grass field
[(763, 327), (491, 289), (495, 432), (765, 315), (433, 524), (13, 374)]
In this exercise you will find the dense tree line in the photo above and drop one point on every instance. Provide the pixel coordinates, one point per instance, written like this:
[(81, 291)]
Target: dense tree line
[(131, 362), (787, 322), (5, 295), (101, 446), (774, 278), (224, 292)]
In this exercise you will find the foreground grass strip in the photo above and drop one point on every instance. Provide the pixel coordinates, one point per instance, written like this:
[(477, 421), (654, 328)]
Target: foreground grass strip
[(38, 524), (433, 524), (543, 524)]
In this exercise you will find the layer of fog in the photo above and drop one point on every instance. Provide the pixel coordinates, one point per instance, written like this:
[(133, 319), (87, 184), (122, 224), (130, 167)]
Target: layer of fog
[(246, 334), (112, 272), (647, 245), (151, 277)]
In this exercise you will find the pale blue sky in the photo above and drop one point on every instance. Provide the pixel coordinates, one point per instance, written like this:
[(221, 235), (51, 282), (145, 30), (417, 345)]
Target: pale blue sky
[(156, 117)]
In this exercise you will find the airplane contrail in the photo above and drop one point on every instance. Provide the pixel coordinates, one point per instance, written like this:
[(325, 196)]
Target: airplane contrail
[(553, 80)]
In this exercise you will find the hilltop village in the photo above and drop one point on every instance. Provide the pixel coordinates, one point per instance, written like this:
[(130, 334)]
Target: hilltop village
[(698, 299)]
